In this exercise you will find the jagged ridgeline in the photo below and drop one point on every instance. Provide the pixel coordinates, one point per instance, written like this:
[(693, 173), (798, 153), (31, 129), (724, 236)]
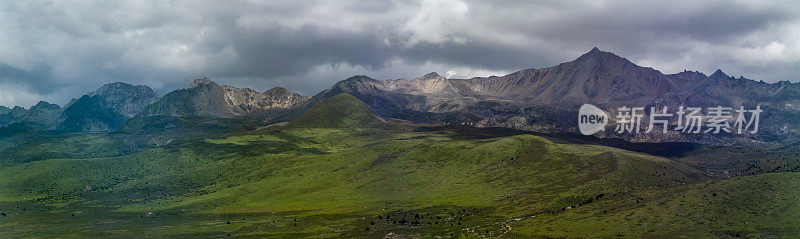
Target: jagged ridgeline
[(102, 110), (206, 98), (340, 111), (204, 161), (540, 100), (105, 109)]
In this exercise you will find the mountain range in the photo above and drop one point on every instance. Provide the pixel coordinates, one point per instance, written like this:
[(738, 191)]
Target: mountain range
[(206, 98), (547, 99), (542, 100), (400, 158)]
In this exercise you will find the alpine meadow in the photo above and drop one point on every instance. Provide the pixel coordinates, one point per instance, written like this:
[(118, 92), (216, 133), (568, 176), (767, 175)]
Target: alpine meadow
[(317, 119)]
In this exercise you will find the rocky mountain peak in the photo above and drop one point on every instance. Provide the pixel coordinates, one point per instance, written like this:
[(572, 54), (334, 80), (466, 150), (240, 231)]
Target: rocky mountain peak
[(359, 78), (110, 87), (596, 53), (9, 116), (42, 113), (432, 75), (206, 98), (120, 90), (719, 74), (106, 108), (202, 82), (603, 59), (280, 97), (45, 105), (277, 91), (360, 82), (688, 76)]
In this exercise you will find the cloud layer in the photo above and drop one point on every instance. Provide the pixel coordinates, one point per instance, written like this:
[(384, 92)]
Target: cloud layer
[(57, 50)]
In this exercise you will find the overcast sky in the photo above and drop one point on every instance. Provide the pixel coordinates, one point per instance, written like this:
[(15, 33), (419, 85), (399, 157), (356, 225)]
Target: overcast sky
[(57, 50)]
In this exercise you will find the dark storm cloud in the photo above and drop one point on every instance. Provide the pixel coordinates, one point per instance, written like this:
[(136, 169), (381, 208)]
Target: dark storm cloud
[(279, 52), (58, 50), (39, 75)]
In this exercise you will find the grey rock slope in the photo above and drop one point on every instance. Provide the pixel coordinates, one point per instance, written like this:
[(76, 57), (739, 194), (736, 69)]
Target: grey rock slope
[(544, 100), (206, 98), (10, 116), (42, 114), (547, 99), (105, 109)]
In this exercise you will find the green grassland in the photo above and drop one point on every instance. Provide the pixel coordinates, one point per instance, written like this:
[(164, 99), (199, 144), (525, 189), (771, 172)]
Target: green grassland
[(377, 178), (22, 143)]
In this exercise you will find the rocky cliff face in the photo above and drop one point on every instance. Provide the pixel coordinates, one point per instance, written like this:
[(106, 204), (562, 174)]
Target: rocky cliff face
[(431, 84), (544, 100), (547, 99), (42, 114), (596, 76), (280, 97), (105, 109), (10, 116), (208, 99), (126, 99)]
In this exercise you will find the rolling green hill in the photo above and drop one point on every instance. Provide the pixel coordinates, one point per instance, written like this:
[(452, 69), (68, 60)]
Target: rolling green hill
[(340, 111), (339, 176), (324, 176)]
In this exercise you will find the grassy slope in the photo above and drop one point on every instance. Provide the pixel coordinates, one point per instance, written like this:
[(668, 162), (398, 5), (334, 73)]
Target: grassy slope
[(308, 179), (339, 177), (340, 111), (28, 144), (759, 206)]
